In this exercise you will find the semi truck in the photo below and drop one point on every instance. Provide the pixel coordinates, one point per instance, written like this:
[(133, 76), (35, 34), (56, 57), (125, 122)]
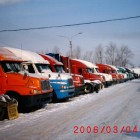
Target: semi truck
[(62, 85), (29, 90), (57, 66), (108, 77), (90, 86), (85, 69), (123, 72), (109, 69)]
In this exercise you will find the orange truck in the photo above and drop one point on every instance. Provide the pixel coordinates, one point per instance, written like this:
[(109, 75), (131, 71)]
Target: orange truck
[(29, 90)]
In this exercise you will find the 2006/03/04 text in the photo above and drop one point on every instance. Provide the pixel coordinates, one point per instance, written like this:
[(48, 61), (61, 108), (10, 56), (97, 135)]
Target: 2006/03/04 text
[(104, 129)]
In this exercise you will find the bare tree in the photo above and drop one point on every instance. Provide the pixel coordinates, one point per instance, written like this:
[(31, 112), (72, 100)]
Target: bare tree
[(77, 53), (68, 54), (99, 54), (88, 56), (110, 54), (124, 55), (42, 51), (56, 49)]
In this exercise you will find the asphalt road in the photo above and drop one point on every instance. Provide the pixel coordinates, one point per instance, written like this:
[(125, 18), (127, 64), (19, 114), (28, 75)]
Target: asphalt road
[(112, 114)]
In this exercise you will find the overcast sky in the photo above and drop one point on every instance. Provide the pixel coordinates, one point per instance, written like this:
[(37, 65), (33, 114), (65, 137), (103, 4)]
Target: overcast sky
[(16, 14)]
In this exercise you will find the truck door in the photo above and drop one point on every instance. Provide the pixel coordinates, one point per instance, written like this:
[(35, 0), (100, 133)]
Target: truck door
[(85, 73)]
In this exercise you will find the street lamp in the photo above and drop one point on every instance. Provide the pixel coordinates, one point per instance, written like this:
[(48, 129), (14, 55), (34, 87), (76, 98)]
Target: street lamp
[(70, 41)]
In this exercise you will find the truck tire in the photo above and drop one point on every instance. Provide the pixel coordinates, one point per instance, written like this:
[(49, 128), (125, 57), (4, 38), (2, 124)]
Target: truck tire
[(54, 97), (88, 88), (2, 113)]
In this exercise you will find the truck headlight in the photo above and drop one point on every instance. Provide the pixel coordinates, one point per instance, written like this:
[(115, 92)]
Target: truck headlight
[(34, 91), (63, 87)]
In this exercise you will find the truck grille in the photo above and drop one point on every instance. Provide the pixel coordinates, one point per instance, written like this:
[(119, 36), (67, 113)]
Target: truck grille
[(45, 85), (70, 81)]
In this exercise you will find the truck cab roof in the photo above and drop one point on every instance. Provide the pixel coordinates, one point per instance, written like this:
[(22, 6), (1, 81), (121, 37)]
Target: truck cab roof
[(84, 63), (109, 67), (52, 60), (28, 55), (6, 55)]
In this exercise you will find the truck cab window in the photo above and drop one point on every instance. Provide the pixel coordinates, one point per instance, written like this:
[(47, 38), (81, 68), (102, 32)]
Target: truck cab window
[(31, 68), (11, 67), (43, 68), (80, 71), (6, 67), (59, 69), (104, 71), (89, 70)]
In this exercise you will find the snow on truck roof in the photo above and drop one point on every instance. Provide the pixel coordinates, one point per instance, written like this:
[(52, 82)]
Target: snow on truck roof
[(6, 55), (28, 55), (88, 64), (114, 67), (110, 66)]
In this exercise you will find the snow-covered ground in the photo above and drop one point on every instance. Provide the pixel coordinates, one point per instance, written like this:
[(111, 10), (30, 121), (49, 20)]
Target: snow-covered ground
[(111, 110)]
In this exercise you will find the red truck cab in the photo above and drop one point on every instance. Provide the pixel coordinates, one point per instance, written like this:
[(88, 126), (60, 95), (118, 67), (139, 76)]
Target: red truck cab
[(105, 68), (82, 67), (27, 89), (57, 66), (85, 69)]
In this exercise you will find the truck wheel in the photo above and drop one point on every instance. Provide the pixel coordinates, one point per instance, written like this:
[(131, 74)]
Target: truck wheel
[(97, 88), (88, 88), (54, 97), (2, 113)]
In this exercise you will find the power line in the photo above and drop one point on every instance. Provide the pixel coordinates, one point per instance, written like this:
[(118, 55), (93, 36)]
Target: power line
[(69, 25)]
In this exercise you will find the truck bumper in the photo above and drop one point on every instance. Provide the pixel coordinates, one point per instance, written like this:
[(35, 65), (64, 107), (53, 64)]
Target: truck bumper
[(79, 90), (108, 83), (65, 93), (36, 100)]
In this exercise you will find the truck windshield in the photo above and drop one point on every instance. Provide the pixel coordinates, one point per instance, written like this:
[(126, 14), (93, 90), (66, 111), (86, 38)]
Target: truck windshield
[(59, 69), (42, 68), (12, 66), (114, 71), (89, 70), (97, 70)]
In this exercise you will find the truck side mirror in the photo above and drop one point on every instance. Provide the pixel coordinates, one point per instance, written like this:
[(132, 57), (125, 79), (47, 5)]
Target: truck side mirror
[(59, 74), (49, 75), (25, 74), (25, 67)]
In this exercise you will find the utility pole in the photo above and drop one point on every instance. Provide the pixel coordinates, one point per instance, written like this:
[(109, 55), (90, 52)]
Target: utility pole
[(70, 44)]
